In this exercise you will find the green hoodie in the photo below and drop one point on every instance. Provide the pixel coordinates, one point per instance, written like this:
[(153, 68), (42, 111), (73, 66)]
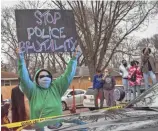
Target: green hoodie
[(45, 102)]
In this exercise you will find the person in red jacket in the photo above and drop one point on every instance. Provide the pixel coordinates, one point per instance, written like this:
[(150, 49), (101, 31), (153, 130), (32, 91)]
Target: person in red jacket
[(135, 78)]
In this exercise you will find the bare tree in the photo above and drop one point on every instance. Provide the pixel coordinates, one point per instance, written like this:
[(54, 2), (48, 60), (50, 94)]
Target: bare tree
[(10, 42), (103, 25), (150, 42), (154, 40)]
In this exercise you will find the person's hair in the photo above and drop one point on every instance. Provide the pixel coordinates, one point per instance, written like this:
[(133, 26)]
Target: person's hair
[(18, 104), (124, 61), (40, 72), (149, 50), (98, 70), (134, 62)]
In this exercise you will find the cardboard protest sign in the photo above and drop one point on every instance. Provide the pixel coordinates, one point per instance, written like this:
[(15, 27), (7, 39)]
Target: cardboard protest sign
[(46, 30)]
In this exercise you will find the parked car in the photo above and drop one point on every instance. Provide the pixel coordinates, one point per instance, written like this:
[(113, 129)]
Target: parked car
[(140, 114), (88, 101), (67, 98)]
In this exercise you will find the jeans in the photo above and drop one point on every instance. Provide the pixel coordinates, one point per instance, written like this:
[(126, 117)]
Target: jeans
[(98, 93), (109, 97), (146, 78), (135, 89), (126, 88)]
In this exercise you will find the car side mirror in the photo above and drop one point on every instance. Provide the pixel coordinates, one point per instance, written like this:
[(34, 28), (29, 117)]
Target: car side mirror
[(68, 95)]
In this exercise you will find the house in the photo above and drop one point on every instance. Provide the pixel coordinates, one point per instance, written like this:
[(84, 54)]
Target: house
[(9, 80), (81, 80)]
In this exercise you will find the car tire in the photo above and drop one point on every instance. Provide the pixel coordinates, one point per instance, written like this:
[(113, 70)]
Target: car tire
[(64, 106), (119, 94), (91, 108)]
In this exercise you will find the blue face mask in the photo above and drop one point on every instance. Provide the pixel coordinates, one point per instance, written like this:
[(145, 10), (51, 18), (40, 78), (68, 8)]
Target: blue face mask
[(44, 82)]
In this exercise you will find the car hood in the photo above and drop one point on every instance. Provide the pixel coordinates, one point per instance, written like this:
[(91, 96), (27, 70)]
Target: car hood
[(101, 120), (63, 97), (110, 120)]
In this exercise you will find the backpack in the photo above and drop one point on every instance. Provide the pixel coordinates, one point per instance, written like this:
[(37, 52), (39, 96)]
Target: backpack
[(133, 77), (108, 83)]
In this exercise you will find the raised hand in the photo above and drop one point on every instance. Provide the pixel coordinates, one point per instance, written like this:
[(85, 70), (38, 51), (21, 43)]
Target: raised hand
[(19, 53), (77, 53), (17, 50)]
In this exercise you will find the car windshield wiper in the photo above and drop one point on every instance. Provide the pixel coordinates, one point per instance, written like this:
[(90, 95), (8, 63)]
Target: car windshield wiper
[(146, 108)]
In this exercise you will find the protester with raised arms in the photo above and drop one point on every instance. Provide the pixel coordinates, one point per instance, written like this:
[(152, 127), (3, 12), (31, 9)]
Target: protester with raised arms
[(148, 66), (44, 94)]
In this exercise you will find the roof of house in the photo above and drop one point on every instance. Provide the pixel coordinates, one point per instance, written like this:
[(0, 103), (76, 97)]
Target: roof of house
[(8, 75)]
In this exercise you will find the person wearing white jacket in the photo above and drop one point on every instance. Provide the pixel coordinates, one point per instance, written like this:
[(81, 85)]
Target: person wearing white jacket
[(123, 69)]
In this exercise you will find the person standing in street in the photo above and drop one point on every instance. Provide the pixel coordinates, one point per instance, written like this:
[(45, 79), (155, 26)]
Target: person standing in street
[(123, 69), (98, 88), (148, 67), (135, 78), (108, 88)]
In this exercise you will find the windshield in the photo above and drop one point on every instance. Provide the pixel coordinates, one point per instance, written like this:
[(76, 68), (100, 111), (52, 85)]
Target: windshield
[(148, 98), (66, 92)]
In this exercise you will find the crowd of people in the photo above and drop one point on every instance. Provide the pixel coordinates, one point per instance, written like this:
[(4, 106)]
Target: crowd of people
[(132, 79)]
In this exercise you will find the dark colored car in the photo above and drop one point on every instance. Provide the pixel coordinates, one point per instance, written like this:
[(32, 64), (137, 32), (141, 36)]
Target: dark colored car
[(140, 114)]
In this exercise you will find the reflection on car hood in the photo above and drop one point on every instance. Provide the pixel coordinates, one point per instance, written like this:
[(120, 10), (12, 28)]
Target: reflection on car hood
[(101, 120), (111, 120)]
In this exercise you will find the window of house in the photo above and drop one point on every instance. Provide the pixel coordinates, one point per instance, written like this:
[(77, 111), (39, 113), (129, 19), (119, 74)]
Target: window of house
[(7, 83), (2, 82)]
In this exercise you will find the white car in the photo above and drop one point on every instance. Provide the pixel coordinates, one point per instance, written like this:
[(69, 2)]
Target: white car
[(67, 98), (88, 101)]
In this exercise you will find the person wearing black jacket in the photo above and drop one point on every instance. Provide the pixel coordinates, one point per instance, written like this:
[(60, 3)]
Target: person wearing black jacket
[(18, 105)]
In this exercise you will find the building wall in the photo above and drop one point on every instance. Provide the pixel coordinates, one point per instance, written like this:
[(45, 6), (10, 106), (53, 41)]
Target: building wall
[(118, 80), (9, 82), (6, 87), (6, 91), (14, 82), (81, 83)]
